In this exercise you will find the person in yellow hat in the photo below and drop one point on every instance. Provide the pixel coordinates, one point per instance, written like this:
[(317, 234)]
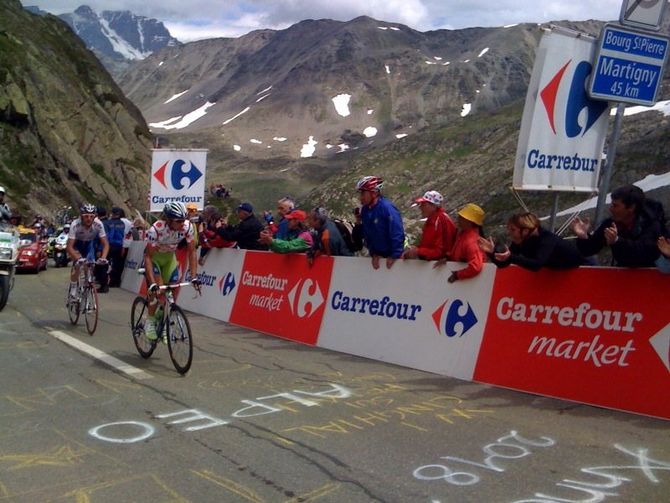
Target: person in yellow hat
[(466, 248), (194, 218)]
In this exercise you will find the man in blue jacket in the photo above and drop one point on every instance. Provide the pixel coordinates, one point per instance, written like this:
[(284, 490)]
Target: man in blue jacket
[(382, 223)]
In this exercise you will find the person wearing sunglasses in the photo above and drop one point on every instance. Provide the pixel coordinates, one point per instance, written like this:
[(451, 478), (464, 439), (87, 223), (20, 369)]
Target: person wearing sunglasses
[(160, 261)]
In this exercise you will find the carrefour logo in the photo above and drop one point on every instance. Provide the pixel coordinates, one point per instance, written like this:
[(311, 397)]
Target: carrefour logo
[(305, 298), (177, 173), (577, 102), (227, 284), (454, 318)]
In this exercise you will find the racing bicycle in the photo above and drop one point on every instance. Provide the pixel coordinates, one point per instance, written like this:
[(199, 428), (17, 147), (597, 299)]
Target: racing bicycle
[(172, 327), (86, 300)]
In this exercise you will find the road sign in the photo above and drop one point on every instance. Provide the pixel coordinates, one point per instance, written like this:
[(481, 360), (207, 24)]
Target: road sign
[(628, 65), (642, 13)]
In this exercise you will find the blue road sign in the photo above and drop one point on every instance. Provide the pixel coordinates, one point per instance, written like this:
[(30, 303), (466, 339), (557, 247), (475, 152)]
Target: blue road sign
[(628, 66)]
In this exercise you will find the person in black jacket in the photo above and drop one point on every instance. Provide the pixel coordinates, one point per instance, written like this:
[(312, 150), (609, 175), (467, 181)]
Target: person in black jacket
[(532, 247), (631, 231), (247, 232)]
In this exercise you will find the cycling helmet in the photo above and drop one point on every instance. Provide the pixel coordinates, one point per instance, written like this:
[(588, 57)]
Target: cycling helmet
[(175, 210), (371, 183), (88, 208)]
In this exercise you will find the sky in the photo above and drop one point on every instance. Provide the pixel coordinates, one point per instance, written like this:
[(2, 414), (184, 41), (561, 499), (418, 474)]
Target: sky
[(190, 20)]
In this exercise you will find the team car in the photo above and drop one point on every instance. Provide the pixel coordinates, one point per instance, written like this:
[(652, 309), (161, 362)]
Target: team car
[(32, 252)]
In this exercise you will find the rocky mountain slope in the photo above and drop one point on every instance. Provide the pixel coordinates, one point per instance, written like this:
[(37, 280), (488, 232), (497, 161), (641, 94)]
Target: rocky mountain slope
[(285, 81), (67, 132), (269, 91)]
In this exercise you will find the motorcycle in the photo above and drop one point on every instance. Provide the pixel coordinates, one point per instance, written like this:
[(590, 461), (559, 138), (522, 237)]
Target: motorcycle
[(60, 256), (9, 246)]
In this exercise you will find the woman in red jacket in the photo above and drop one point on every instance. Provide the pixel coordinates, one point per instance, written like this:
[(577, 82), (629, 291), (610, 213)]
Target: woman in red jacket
[(466, 249)]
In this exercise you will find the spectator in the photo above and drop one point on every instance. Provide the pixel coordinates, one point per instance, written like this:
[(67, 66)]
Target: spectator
[(5, 213), (207, 232), (139, 229), (194, 218), (327, 239), (296, 226), (270, 224), (382, 224), (439, 231), (663, 261), (284, 206), (357, 230), (466, 249), (631, 231), (247, 232), (116, 229), (533, 247)]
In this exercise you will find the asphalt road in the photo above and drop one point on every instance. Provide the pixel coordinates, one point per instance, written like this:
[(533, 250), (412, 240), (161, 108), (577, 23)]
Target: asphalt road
[(261, 419)]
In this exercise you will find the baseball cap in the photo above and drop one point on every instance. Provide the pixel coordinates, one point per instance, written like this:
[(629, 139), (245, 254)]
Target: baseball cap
[(246, 207), (296, 215), (2, 190), (432, 197), (116, 210), (192, 206)]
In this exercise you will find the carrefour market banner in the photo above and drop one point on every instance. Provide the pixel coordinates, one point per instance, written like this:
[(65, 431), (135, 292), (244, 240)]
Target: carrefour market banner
[(177, 175), (594, 335), (282, 295), (562, 131)]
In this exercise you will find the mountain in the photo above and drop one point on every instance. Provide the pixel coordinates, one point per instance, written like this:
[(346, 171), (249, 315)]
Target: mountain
[(256, 100), (67, 132), (344, 84), (118, 37)]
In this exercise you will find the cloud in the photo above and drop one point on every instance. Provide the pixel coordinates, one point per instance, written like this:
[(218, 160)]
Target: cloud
[(196, 19)]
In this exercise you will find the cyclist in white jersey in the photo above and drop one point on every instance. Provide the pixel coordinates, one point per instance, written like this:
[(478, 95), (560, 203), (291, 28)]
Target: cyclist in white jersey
[(160, 262), (81, 245)]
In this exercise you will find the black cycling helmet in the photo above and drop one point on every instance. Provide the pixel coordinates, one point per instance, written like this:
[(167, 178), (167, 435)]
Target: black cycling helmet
[(175, 210)]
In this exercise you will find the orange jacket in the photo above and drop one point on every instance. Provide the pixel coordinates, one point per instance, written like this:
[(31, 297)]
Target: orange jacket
[(467, 250)]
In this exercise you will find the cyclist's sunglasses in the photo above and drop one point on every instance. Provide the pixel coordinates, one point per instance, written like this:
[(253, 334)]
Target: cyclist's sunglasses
[(177, 220)]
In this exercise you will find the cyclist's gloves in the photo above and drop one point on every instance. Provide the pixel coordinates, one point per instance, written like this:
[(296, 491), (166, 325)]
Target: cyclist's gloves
[(81, 261), (153, 288), (196, 283), (102, 261)]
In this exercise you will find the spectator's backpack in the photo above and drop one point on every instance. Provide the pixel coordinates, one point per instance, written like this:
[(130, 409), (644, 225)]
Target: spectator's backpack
[(116, 231), (345, 229)]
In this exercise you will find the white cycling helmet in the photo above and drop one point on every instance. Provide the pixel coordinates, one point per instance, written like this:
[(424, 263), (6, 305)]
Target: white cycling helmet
[(175, 210)]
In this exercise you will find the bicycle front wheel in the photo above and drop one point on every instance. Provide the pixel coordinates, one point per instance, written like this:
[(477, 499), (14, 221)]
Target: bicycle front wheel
[(91, 308), (138, 318), (180, 342), (73, 308)]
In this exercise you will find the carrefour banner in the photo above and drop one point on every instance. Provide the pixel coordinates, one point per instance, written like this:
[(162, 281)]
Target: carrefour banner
[(409, 315), (177, 175), (282, 295), (220, 277), (562, 130), (607, 345)]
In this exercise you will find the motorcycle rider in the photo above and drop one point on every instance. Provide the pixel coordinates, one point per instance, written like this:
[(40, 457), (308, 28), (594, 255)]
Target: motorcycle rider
[(160, 261), (5, 213), (81, 246), (58, 246)]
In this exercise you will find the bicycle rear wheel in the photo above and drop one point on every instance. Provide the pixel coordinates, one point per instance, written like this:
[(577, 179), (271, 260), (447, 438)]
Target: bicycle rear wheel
[(138, 318), (90, 302), (180, 342), (73, 308)]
